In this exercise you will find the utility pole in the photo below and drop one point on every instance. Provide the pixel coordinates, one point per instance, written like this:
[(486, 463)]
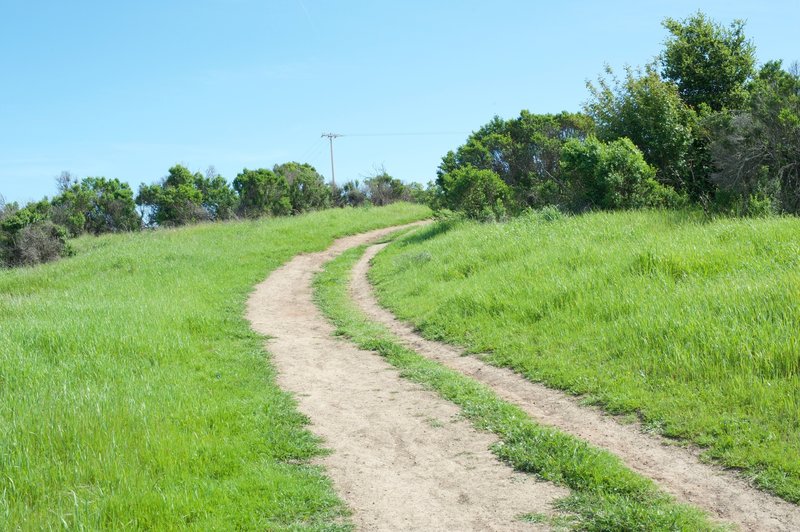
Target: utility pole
[(332, 136)]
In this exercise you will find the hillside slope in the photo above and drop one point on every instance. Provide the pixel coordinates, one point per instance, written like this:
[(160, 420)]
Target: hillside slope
[(133, 393), (690, 324)]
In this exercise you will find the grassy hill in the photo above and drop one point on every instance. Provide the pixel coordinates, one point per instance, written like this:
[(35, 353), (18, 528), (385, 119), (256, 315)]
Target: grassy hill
[(689, 324), (134, 395)]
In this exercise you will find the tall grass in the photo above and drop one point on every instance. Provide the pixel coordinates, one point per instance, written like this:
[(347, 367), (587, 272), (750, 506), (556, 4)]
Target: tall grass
[(691, 324), (134, 395)]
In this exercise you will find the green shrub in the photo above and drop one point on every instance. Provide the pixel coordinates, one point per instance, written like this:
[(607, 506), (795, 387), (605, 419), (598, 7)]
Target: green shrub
[(479, 194), (95, 205), (307, 188), (28, 236), (262, 192), (611, 175)]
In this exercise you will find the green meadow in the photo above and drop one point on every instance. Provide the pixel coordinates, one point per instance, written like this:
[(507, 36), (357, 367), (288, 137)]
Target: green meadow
[(688, 324), (134, 395)]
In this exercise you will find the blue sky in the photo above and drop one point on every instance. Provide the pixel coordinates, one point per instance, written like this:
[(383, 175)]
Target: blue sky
[(127, 89)]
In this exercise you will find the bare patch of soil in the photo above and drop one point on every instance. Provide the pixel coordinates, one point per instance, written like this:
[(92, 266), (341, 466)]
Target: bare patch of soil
[(402, 458), (676, 470)]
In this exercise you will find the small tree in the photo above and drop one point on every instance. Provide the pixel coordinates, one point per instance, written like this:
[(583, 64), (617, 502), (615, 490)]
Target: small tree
[(709, 63), (307, 188), (72, 205), (174, 201), (95, 205), (183, 197), (219, 199), (262, 192)]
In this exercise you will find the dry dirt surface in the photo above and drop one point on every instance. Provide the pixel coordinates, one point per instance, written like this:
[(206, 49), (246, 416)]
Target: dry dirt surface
[(402, 458), (676, 470)]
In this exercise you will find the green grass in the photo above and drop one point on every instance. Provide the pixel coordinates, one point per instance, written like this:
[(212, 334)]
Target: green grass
[(690, 324), (134, 395), (606, 495)]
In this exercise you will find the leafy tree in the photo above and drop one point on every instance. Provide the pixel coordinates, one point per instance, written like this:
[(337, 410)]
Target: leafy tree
[(183, 197), (262, 192), (479, 194), (709, 63), (757, 150), (610, 175), (219, 199), (95, 205), (307, 188), (649, 111), (72, 205), (524, 152), (175, 201)]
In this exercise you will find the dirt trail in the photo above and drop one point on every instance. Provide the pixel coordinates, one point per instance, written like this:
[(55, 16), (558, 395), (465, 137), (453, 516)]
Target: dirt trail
[(403, 459), (677, 470)]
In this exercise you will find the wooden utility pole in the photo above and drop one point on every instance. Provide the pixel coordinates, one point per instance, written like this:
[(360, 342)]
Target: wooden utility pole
[(332, 136)]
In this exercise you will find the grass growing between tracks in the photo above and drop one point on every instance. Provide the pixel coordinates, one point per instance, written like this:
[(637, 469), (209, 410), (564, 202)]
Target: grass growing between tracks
[(690, 324), (605, 494), (133, 393)]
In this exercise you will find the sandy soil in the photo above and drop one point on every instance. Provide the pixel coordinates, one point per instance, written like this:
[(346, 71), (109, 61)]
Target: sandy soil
[(402, 458), (677, 470)]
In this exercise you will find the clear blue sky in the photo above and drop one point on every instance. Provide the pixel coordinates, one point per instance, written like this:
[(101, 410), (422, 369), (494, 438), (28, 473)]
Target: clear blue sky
[(127, 89)]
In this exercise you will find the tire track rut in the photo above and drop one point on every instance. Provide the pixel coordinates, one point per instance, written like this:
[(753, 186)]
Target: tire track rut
[(402, 458)]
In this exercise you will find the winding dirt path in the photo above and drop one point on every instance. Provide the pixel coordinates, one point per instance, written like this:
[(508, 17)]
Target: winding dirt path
[(677, 470), (403, 459)]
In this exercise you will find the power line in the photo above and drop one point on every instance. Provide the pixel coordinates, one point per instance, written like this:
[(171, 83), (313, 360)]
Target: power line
[(417, 134), (311, 149)]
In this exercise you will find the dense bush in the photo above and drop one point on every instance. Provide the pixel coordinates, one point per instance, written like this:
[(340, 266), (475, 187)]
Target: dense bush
[(36, 243), (382, 189), (351, 194), (649, 111), (610, 175), (479, 194), (183, 198), (28, 236)]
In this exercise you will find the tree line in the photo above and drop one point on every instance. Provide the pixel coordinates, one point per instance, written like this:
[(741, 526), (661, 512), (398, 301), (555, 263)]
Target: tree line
[(701, 124), (39, 231)]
